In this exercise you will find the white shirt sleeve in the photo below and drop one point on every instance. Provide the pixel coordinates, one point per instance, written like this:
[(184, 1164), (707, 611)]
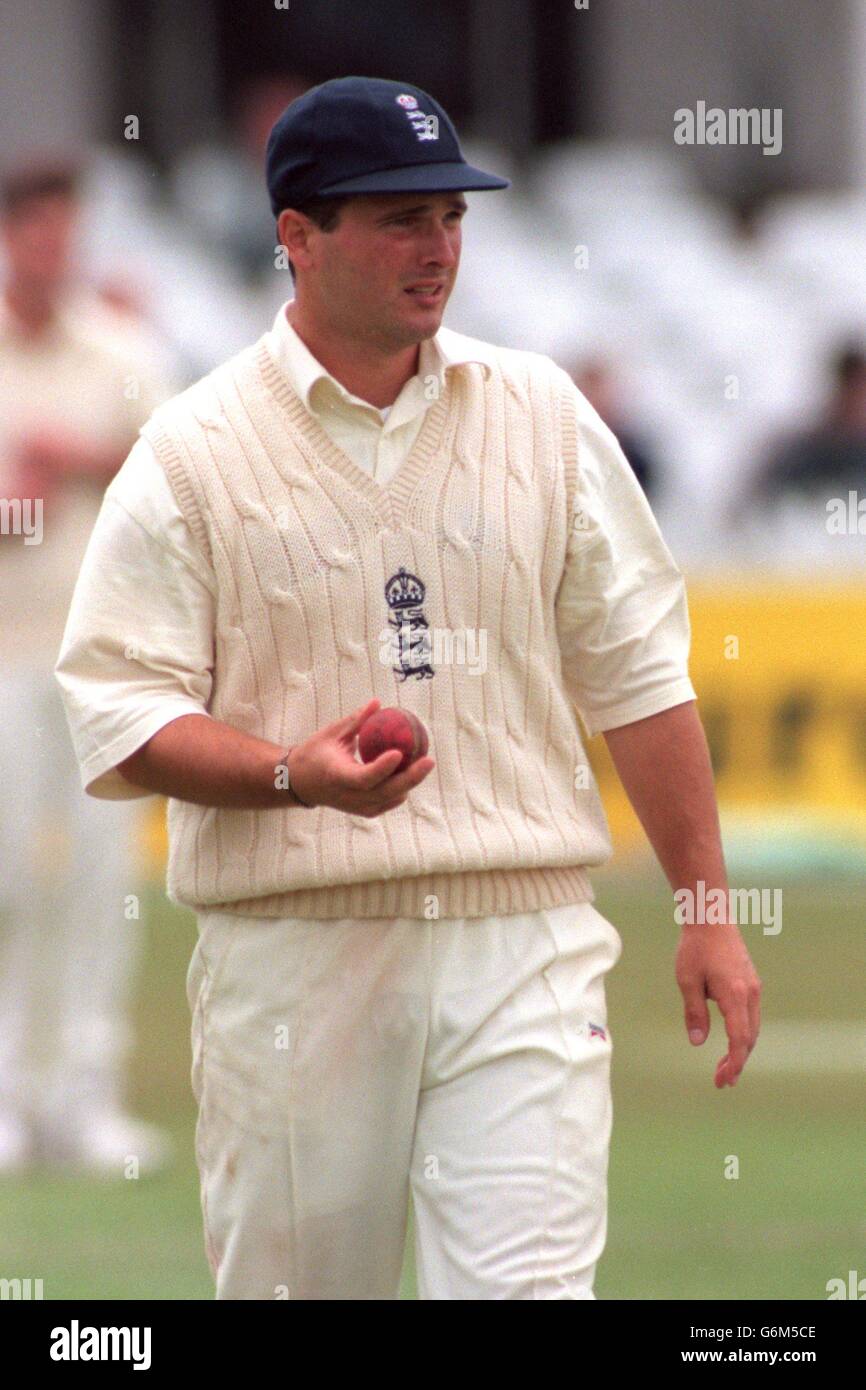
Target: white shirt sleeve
[(621, 610), (138, 647)]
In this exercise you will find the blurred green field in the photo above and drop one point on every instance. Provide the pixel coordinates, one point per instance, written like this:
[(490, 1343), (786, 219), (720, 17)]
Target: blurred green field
[(678, 1228)]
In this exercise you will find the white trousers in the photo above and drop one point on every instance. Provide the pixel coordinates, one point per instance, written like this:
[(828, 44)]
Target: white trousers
[(69, 940), (341, 1065)]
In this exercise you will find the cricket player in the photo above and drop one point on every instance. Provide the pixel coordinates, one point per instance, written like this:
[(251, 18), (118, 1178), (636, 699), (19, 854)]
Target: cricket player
[(398, 983), (75, 385)]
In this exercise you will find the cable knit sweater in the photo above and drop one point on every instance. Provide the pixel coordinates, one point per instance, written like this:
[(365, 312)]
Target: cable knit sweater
[(435, 593)]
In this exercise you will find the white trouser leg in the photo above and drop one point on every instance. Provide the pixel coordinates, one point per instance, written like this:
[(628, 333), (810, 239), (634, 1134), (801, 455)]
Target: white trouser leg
[(69, 950), (103, 929), (509, 1170), (24, 911), (308, 1044)]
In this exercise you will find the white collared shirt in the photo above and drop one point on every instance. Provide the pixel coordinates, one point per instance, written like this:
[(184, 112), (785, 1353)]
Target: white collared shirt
[(377, 440)]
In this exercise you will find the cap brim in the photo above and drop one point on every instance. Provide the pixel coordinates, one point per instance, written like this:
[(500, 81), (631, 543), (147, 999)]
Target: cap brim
[(454, 177)]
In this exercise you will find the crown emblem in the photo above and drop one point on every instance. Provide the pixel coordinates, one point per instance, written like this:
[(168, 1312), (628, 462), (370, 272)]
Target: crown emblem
[(404, 593), (404, 590)]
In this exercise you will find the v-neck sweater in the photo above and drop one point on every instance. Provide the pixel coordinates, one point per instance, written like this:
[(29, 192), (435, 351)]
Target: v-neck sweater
[(322, 574)]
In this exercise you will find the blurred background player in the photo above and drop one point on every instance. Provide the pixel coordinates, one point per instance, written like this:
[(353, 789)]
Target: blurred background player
[(76, 379), (829, 456), (597, 380), (217, 183)]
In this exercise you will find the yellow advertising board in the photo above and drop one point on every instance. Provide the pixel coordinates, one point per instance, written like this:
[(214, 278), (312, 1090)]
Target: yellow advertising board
[(779, 668)]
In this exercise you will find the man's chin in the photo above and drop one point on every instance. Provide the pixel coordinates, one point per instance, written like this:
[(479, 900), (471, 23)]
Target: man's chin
[(425, 317)]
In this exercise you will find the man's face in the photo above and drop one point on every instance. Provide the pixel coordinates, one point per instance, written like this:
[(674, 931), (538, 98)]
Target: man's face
[(384, 246), (38, 239)]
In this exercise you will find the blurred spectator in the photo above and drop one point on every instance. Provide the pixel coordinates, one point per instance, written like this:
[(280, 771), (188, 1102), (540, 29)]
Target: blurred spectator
[(76, 382), (596, 381), (830, 456), (122, 298), (218, 188)]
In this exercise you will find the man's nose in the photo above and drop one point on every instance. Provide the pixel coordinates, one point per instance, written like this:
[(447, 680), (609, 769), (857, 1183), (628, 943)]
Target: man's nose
[(440, 247)]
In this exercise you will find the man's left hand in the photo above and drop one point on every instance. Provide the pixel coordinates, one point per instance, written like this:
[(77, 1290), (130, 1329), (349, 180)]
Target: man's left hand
[(712, 963)]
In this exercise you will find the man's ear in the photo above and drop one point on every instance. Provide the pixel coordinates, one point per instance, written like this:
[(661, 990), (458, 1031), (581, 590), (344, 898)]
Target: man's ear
[(293, 230)]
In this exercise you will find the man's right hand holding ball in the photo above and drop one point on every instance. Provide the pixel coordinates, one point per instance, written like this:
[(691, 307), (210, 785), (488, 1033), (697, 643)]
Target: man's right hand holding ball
[(325, 772)]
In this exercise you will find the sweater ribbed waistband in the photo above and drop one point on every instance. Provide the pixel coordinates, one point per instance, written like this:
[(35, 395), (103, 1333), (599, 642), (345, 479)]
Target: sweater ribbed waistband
[(496, 893)]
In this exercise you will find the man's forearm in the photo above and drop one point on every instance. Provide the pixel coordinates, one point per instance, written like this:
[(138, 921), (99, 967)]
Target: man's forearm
[(664, 765), (196, 758)]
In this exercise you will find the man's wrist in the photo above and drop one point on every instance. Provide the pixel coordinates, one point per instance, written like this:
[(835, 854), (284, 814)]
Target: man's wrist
[(703, 902), (283, 781)]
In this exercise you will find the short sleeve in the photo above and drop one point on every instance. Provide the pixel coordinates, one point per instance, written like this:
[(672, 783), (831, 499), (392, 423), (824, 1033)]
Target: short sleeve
[(621, 610)]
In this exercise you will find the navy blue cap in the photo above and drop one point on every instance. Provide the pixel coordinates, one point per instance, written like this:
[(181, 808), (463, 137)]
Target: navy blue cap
[(366, 135)]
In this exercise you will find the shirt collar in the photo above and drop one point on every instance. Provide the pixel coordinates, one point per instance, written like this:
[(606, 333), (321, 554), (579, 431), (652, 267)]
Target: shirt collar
[(438, 355)]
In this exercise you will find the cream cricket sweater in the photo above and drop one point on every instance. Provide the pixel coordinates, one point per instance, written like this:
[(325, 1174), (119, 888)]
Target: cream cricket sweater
[(435, 593)]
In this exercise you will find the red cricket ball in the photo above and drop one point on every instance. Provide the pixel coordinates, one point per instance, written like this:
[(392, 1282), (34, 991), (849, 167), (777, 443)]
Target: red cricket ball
[(392, 728)]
